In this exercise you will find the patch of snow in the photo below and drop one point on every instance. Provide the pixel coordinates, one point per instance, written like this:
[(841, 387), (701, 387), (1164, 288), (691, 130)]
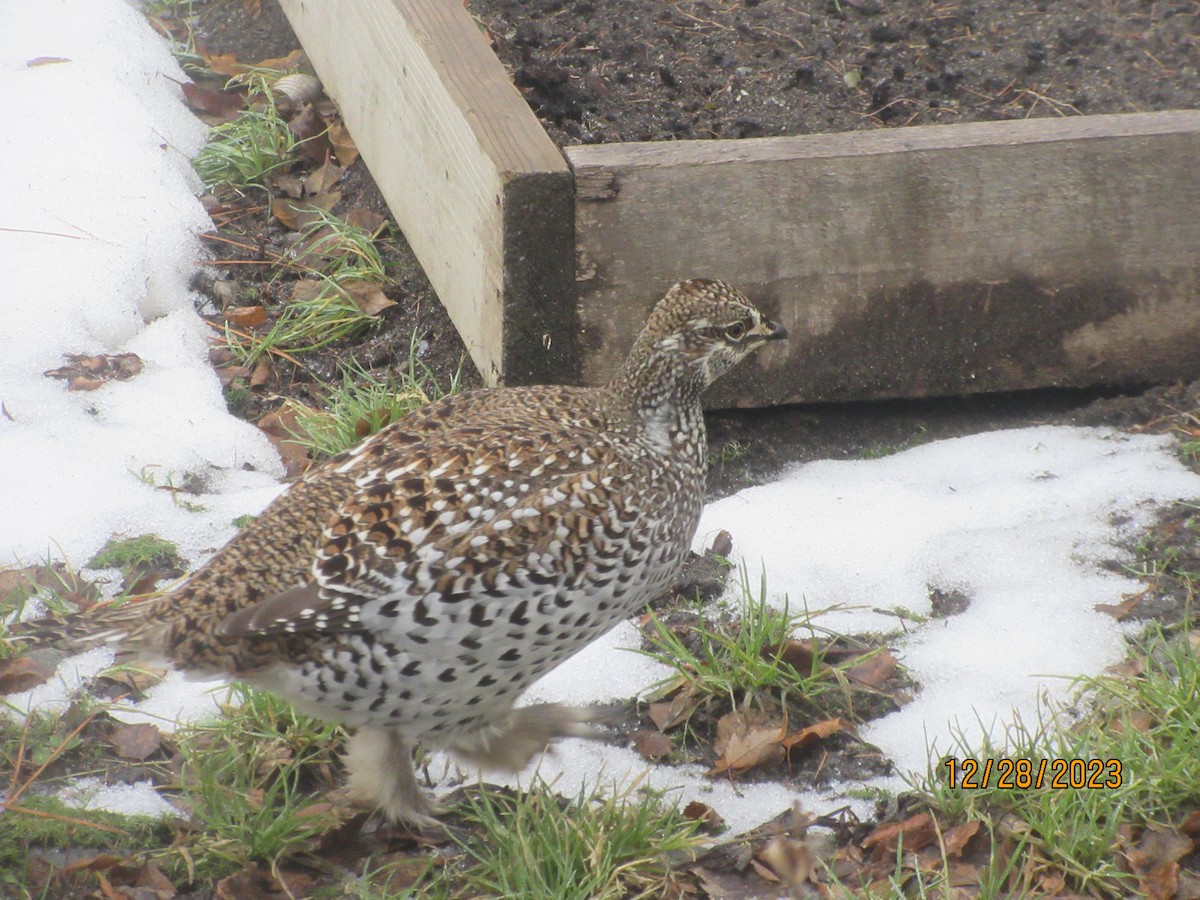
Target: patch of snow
[(174, 702), (98, 243), (138, 799), (54, 696), (605, 671), (1017, 520), (98, 237)]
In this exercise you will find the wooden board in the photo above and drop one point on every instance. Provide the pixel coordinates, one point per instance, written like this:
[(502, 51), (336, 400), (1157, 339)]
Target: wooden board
[(912, 261), (482, 194)]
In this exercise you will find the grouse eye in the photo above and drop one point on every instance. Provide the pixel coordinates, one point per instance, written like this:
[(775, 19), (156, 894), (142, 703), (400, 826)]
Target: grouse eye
[(736, 331)]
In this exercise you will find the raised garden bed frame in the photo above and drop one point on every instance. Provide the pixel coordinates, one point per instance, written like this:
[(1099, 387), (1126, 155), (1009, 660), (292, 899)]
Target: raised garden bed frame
[(906, 262)]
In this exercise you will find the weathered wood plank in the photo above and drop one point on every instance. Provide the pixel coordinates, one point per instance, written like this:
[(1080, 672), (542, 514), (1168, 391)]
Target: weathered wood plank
[(914, 261), (482, 194)]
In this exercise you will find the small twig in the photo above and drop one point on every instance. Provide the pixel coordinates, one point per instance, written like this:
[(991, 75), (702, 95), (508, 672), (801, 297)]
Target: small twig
[(58, 751)]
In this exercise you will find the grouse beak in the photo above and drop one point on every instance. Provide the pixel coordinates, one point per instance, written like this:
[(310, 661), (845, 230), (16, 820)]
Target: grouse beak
[(773, 331)]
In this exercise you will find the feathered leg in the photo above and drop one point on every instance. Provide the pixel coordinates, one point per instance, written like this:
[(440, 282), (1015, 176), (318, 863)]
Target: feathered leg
[(381, 775)]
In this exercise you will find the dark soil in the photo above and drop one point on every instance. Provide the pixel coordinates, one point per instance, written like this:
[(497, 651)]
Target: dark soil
[(602, 71)]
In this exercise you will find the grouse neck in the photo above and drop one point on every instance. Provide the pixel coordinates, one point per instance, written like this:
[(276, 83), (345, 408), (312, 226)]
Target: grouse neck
[(663, 393)]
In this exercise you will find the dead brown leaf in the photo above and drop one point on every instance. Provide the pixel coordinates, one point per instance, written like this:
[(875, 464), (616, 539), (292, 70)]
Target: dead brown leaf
[(366, 425), (281, 427), (261, 373), (245, 316), (312, 135), (722, 544), (16, 584), (702, 812), (874, 671), (1134, 720), (745, 740), (344, 148), (667, 714), (800, 655), (228, 374), (221, 106), (298, 214), (1158, 847), (369, 296), (137, 680), (227, 64), (917, 832), (252, 883), (764, 872), (22, 674), (366, 219), (135, 742), (97, 863), (86, 373), (1191, 825), (818, 731), (289, 185), (1161, 883), (651, 744), (253, 8), (1129, 668), (1121, 611), (955, 838), (323, 178)]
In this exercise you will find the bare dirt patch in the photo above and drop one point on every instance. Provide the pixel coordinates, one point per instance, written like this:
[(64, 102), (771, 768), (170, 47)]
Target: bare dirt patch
[(603, 71)]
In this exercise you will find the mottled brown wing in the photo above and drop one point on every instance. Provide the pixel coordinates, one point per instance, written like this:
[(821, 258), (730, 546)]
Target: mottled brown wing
[(416, 517)]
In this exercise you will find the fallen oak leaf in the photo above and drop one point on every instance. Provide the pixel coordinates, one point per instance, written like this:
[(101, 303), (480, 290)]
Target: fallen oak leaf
[(227, 375), (818, 731), (323, 178), (85, 383), (86, 373), (368, 296), (312, 135), (227, 64), (800, 655), (282, 428), (296, 214), (245, 316), (137, 680), (344, 148), (667, 714), (696, 811), (223, 105), (261, 373), (875, 670), (22, 674), (917, 832), (288, 185), (651, 744), (135, 742), (722, 544), (1122, 611), (956, 838), (366, 219), (747, 745)]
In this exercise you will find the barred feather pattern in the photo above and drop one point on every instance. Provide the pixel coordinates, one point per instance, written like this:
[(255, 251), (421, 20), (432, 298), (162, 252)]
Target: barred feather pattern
[(416, 584)]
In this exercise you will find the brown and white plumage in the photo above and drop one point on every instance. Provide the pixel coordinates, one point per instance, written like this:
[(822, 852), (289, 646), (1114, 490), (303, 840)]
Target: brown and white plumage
[(415, 585)]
